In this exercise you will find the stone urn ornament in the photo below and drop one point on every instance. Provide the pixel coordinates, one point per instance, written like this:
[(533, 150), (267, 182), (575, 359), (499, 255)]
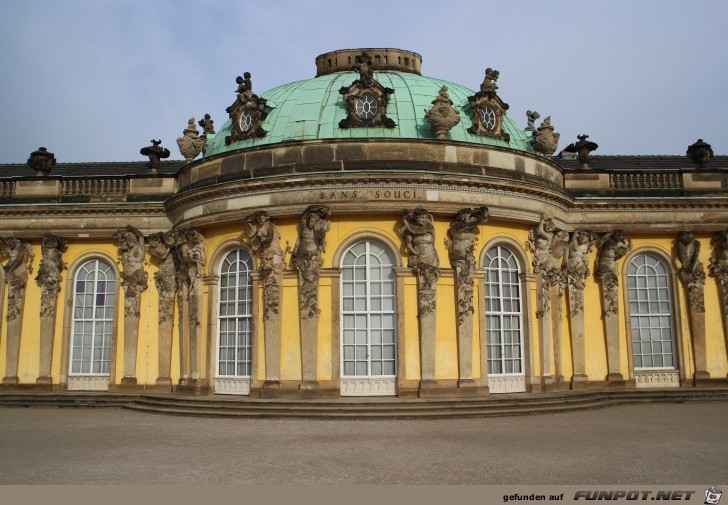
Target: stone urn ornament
[(442, 116), (42, 161), (190, 144), (546, 140), (699, 153), (582, 149), (155, 154)]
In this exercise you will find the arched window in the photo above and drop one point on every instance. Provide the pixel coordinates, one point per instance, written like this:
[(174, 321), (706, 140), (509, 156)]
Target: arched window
[(650, 313), (93, 321), (503, 321), (235, 324), (368, 319)]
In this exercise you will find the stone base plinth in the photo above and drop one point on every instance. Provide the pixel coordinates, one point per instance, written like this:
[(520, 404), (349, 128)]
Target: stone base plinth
[(10, 381), (309, 385), (129, 381), (195, 387), (44, 381)]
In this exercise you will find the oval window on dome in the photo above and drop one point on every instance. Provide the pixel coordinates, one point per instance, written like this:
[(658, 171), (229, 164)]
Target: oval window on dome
[(366, 106), (487, 115), (245, 121)]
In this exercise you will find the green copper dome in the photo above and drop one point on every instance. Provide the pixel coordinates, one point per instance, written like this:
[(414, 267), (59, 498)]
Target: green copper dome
[(312, 109)]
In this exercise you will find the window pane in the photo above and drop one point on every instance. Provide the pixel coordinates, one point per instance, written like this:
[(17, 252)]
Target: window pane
[(503, 312), (368, 306)]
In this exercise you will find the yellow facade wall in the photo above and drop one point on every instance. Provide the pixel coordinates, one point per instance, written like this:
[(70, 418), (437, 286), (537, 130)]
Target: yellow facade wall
[(343, 231)]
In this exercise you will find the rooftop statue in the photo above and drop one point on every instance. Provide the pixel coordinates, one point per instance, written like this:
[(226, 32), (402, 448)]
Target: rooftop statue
[(489, 86), (532, 116), (207, 125), (244, 83)]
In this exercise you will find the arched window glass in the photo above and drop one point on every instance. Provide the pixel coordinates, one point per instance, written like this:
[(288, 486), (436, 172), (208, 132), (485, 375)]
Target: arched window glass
[(235, 315), (503, 319), (650, 314), (368, 316), (93, 319)]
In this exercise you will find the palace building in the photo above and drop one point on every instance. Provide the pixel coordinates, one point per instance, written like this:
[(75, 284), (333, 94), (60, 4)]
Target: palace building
[(369, 231)]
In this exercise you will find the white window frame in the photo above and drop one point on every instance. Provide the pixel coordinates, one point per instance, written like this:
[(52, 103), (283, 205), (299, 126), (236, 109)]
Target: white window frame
[(637, 303), (369, 384), (504, 381), (107, 336), (238, 382)]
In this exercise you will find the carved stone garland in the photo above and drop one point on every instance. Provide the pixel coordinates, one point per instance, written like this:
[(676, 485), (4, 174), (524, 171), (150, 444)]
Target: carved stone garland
[(418, 232), (613, 246), (134, 280), (17, 269), (161, 247), (488, 109), (262, 233), (460, 246), (247, 112), (692, 276), (49, 280), (366, 99), (306, 258)]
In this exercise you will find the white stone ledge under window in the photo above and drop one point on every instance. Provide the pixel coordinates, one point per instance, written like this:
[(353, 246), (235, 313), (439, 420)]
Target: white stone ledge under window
[(507, 383), (368, 387), (88, 382), (657, 379), (232, 386)]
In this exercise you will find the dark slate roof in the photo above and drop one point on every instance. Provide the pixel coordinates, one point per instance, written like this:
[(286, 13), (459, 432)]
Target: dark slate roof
[(642, 163), (103, 169)]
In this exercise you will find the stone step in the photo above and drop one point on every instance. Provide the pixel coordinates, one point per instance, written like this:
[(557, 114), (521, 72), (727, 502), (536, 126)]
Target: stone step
[(391, 408)]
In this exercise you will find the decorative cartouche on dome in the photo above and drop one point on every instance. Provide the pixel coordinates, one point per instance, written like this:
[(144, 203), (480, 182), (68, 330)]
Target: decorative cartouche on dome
[(488, 109), (366, 98), (247, 112)]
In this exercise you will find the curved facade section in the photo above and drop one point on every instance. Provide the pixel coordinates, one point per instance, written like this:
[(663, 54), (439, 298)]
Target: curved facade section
[(321, 260)]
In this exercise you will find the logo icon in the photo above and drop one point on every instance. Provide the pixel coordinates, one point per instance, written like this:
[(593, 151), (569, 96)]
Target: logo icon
[(712, 495)]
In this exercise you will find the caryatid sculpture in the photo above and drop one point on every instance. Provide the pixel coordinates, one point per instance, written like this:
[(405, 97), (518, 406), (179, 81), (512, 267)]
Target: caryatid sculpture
[(306, 257), (130, 243), (49, 272), (17, 269), (263, 235), (577, 267), (692, 273), (19, 265), (418, 232), (460, 246), (49, 280), (614, 245), (718, 267)]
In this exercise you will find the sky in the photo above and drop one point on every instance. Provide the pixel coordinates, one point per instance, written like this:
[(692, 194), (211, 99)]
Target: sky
[(95, 80)]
